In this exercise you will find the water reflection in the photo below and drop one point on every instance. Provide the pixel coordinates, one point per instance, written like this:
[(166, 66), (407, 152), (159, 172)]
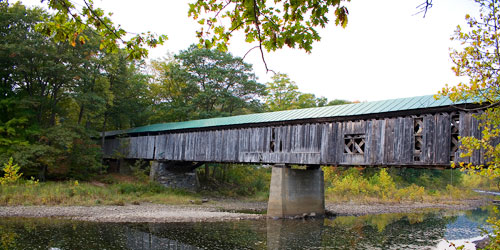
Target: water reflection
[(386, 231), (294, 234)]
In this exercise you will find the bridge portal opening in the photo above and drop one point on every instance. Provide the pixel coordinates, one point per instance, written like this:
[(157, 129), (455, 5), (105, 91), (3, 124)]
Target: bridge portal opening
[(418, 128), (455, 133)]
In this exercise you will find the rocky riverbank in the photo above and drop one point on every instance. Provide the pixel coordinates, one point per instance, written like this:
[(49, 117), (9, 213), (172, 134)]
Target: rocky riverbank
[(220, 210)]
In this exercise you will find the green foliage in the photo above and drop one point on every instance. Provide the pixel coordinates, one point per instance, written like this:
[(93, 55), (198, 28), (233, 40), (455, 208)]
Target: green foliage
[(203, 83), (11, 174), (283, 94), (410, 193), (56, 95), (223, 83), (63, 152), (477, 60), (386, 185), (428, 178), (273, 24), (235, 180), (136, 188), (475, 181), (84, 193), (353, 183), (382, 183), (337, 102), (495, 223), (140, 170), (69, 23)]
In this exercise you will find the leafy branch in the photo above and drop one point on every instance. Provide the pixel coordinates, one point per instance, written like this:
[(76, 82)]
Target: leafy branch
[(69, 24)]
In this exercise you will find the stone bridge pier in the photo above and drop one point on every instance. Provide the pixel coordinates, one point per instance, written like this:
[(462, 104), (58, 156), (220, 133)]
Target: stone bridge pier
[(175, 174), (295, 192)]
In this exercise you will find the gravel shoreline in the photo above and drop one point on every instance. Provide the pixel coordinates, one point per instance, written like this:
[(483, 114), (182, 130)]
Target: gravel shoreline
[(377, 208), (222, 210)]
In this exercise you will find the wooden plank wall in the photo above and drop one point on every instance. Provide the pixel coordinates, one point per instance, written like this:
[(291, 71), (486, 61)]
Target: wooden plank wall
[(387, 141)]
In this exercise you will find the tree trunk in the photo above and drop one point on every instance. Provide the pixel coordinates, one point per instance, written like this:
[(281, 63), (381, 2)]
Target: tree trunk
[(103, 131), (224, 175), (214, 173), (207, 172), (80, 114)]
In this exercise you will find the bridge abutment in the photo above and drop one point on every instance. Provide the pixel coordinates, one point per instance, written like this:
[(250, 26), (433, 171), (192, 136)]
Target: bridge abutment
[(296, 192), (175, 174)]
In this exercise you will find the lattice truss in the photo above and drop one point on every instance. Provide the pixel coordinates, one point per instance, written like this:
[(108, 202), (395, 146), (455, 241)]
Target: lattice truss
[(354, 144)]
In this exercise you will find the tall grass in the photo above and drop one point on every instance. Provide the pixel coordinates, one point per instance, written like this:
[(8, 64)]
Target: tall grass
[(87, 193)]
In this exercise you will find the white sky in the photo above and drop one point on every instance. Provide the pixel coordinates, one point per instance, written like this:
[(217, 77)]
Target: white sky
[(384, 52)]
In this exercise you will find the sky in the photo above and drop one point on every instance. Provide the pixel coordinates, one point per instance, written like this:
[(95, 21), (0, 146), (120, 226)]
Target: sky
[(385, 52)]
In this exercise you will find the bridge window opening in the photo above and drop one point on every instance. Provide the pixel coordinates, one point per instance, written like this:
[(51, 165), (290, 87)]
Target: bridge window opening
[(272, 142), (281, 146), (455, 132), (354, 144), (418, 128)]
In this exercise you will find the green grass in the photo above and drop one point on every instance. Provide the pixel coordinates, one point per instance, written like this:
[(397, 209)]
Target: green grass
[(92, 193)]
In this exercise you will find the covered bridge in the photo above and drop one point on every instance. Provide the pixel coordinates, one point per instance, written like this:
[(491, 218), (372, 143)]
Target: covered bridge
[(417, 131)]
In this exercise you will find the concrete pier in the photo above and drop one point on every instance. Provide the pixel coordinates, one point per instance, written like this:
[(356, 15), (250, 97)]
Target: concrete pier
[(296, 192)]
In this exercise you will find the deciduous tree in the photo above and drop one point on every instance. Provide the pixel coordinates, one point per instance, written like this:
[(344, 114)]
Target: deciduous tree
[(478, 60), (284, 94), (225, 85)]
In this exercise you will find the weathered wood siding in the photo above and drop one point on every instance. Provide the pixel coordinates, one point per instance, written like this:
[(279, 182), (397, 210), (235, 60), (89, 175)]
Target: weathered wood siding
[(390, 141)]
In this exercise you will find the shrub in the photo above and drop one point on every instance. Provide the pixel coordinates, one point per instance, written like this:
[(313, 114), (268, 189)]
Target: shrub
[(382, 183), (235, 180), (11, 174), (411, 193), (140, 170)]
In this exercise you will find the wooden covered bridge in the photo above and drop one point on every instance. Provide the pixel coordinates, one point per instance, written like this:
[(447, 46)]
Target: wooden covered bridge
[(413, 132)]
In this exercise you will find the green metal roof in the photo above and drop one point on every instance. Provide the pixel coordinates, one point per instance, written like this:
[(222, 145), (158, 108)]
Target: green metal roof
[(354, 109)]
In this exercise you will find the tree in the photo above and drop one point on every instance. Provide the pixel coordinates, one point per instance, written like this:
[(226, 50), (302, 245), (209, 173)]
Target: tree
[(219, 83), (283, 94), (337, 102), (55, 96), (308, 100), (171, 93), (130, 105), (479, 61)]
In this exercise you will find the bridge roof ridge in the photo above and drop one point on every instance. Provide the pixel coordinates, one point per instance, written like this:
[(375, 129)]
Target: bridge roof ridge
[(352, 109)]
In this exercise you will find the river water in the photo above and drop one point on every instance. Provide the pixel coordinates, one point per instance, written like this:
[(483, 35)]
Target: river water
[(424, 230)]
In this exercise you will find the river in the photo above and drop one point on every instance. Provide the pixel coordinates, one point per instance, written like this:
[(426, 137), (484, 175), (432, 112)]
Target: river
[(423, 230)]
